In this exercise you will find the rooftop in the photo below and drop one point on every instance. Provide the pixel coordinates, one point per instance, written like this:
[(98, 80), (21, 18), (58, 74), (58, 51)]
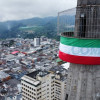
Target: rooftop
[(38, 72)]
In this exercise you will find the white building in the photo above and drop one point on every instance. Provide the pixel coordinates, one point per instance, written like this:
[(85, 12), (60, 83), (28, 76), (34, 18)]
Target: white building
[(4, 76), (36, 41), (43, 85)]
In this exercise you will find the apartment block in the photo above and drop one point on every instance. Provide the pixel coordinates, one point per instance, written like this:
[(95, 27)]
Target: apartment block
[(43, 85)]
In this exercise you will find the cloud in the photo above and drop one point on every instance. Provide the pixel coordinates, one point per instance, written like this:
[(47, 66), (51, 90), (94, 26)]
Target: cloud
[(22, 9)]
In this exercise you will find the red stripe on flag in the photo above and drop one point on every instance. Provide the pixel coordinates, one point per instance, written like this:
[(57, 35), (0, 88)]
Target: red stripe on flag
[(79, 59)]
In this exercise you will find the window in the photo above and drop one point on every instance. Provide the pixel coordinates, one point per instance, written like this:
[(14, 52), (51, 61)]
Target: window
[(48, 85), (38, 89), (82, 25), (34, 90)]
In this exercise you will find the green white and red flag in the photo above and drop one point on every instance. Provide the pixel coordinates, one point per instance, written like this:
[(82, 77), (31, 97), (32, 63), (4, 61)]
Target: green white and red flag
[(80, 51)]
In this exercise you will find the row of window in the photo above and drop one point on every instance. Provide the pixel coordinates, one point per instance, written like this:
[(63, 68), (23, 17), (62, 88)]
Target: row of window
[(58, 83), (57, 98), (30, 96), (27, 96), (28, 91), (52, 89), (30, 87)]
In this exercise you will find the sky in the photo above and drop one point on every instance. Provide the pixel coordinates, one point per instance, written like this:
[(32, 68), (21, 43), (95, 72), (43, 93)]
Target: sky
[(24, 9)]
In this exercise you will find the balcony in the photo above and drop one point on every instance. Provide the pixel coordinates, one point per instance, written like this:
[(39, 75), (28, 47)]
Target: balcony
[(79, 35), (67, 34), (79, 23), (79, 50)]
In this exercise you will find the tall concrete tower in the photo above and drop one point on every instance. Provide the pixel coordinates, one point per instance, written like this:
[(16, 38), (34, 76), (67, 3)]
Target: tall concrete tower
[(82, 50)]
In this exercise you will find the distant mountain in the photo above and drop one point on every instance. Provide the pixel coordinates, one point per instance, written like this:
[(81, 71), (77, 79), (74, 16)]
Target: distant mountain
[(30, 28)]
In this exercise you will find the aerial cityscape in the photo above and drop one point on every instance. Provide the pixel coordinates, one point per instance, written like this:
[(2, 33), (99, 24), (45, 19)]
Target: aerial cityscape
[(31, 64), (50, 52)]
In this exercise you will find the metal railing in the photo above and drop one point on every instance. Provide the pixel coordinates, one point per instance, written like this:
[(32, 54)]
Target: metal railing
[(80, 22)]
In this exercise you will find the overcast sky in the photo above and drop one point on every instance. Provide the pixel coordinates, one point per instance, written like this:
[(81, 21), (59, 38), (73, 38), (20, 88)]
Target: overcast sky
[(22, 9)]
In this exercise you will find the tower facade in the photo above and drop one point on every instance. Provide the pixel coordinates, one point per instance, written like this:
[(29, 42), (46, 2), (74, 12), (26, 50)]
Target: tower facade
[(36, 41), (82, 50)]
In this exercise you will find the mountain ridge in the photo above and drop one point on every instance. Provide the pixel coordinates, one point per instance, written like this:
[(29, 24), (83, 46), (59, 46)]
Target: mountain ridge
[(30, 28)]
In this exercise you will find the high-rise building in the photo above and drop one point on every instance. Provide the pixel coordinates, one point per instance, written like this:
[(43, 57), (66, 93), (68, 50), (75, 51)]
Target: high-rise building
[(36, 41), (43, 85), (82, 49)]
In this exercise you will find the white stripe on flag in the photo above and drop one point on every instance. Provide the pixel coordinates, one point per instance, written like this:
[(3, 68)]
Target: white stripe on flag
[(80, 51)]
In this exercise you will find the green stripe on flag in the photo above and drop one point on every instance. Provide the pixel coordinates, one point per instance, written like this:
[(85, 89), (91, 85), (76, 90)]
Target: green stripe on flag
[(79, 42)]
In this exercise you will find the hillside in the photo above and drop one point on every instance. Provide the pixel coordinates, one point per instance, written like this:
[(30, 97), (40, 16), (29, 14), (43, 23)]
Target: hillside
[(29, 28)]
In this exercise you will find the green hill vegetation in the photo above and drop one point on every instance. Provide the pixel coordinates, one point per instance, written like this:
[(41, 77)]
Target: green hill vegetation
[(29, 28)]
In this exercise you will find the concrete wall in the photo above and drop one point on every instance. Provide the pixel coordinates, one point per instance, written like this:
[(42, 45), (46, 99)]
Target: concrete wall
[(85, 82), (92, 17)]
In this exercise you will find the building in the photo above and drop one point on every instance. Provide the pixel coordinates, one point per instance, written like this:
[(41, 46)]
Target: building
[(43, 85), (60, 75), (4, 76), (36, 41), (81, 48), (37, 86)]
